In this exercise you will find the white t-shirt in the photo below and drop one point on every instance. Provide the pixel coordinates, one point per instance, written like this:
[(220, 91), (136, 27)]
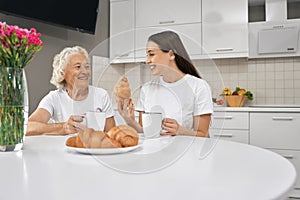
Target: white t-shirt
[(61, 106), (181, 100)]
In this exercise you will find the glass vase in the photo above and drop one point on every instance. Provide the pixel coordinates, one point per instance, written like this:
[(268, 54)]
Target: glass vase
[(14, 108)]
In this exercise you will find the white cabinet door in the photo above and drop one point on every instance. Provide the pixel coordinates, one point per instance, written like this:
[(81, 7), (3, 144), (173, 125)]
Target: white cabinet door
[(275, 130), (121, 31), (225, 27), (294, 158), (190, 35), (167, 12)]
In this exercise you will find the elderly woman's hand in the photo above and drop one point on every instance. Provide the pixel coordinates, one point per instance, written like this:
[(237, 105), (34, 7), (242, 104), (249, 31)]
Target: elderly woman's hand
[(74, 124), (170, 126), (126, 110)]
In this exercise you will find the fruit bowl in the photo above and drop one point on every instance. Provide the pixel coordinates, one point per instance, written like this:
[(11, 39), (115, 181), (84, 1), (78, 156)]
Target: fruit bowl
[(235, 100)]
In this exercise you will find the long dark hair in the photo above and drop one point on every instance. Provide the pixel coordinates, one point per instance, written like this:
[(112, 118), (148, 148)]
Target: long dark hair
[(170, 41)]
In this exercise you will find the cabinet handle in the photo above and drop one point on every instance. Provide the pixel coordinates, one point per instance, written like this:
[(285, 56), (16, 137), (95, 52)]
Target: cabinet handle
[(167, 22), (224, 49), (121, 55), (223, 117), (288, 156), (282, 118), (294, 197), (223, 135)]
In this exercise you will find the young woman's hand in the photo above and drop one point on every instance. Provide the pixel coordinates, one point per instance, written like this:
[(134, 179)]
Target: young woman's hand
[(171, 127), (126, 110)]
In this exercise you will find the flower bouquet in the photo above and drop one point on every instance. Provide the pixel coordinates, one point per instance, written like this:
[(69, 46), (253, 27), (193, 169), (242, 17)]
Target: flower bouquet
[(237, 97), (17, 49)]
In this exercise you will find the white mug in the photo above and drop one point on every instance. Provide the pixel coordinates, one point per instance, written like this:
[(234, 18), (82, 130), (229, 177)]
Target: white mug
[(152, 122), (95, 120)]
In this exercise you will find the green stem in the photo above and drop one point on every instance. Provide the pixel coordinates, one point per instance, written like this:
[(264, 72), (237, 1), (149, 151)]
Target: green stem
[(11, 105)]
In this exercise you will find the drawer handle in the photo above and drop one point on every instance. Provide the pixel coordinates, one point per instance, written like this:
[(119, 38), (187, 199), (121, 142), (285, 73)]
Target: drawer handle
[(167, 22), (223, 117), (223, 135), (288, 156), (282, 118), (224, 49), (294, 197), (297, 188)]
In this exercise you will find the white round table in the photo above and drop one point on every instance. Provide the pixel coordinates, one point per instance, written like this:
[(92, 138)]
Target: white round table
[(163, 168)]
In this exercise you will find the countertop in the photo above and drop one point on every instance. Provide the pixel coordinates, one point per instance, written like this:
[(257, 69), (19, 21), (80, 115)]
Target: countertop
[(260, 108), (181, 167)]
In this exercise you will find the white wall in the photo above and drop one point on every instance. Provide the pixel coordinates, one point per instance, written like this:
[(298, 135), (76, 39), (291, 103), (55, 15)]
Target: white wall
[(55, 38)]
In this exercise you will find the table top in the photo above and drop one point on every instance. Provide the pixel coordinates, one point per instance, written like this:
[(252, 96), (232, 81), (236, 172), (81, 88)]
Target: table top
[(180, 167)]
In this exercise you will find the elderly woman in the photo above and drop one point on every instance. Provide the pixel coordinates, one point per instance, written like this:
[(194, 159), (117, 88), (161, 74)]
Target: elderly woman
[(74, 96)]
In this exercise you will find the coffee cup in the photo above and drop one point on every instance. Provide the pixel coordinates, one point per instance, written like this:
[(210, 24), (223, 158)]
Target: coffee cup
[(152, 122), (95, 120)]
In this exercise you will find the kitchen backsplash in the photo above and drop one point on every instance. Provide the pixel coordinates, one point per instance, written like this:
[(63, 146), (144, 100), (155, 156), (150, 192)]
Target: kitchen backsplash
[(271, 80)]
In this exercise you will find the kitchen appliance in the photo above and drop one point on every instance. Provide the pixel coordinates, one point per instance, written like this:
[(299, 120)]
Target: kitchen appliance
[(277, 36)]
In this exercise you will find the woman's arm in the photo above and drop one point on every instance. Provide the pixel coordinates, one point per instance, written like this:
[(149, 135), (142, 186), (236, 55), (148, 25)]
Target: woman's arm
[(38, 124), (201, 126)]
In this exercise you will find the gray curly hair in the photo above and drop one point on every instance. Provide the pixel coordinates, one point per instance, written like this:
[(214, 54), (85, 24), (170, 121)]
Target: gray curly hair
[(60, 62)]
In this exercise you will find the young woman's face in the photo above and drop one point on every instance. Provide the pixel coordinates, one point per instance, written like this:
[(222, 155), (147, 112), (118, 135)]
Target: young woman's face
[(157, 59), (77, 72)]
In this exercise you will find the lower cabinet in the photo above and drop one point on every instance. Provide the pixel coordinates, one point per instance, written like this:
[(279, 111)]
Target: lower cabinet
[(294, 158), (275, 131), (233, 126), (278, 132)]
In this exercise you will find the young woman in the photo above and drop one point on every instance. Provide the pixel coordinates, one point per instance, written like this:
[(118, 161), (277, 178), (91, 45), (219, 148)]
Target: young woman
[(73, 97), (178, 90)]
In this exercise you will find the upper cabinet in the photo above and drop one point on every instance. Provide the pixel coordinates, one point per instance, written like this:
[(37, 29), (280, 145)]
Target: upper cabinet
[(121, 31), (190, 35), (225, 28), (167, 12), (208, 28)]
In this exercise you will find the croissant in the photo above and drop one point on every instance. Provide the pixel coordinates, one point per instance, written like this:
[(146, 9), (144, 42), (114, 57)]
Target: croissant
[(122, 89), (97, 139), (74, 141), (124, 134)]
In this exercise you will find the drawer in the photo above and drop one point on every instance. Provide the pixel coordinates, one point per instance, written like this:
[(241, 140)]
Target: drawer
[(275, 130), (231, 135), (230, 120), (294, 158)]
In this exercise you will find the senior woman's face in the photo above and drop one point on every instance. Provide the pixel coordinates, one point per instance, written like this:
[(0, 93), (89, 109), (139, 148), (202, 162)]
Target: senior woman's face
[(77, 72)]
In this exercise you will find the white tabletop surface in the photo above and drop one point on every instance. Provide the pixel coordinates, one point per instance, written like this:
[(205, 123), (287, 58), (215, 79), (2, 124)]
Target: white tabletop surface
[(165, 168)]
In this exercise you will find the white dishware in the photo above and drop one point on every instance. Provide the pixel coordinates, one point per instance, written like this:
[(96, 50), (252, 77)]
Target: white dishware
[(152, 122), (95, 120)]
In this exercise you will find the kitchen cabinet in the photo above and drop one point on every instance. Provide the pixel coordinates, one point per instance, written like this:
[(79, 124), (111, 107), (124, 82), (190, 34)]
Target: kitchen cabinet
[(121, 31), (189, 33), (167, 12), (225, 28), (294, 158), (233, 126), (278, 132)]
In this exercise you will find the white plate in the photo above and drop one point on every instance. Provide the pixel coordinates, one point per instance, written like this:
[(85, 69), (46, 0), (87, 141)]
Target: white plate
[(101, 151)]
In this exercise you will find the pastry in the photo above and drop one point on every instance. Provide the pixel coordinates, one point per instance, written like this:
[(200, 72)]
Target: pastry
[(74, 141), (97, 139), (122, 90), (124, 134)]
